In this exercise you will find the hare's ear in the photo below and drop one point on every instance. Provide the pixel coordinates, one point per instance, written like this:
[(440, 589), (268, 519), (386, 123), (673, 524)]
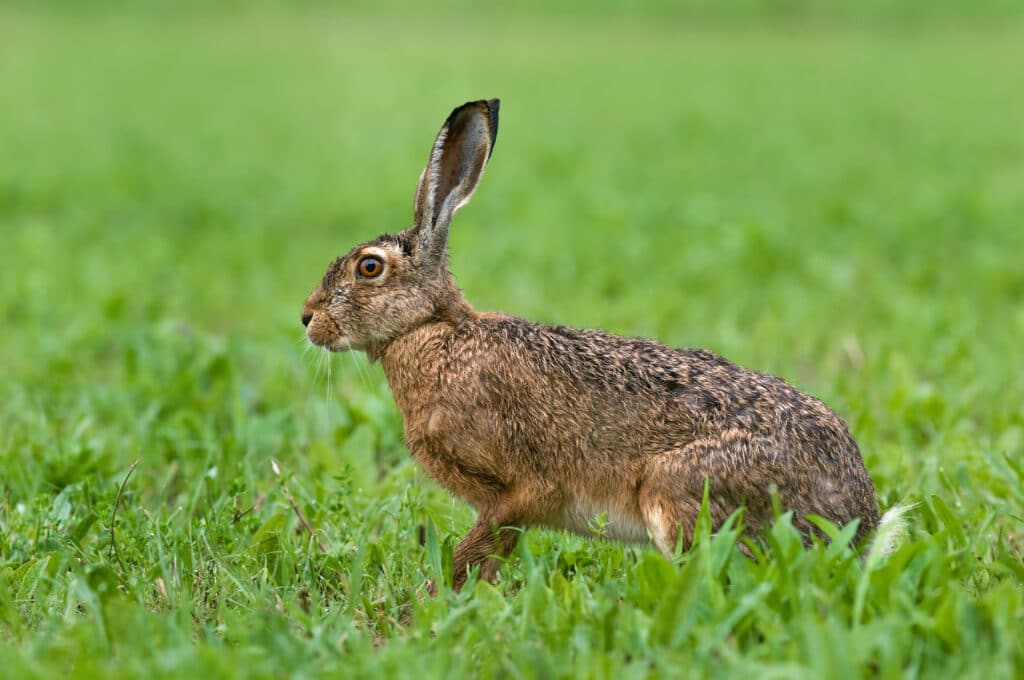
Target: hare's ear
[(456, 164)]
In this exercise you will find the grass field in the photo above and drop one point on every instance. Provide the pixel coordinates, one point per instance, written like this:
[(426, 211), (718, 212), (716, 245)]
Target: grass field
[(839, 203)]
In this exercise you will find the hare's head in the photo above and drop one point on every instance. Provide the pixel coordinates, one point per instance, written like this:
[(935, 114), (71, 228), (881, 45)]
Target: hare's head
[(384, 288)]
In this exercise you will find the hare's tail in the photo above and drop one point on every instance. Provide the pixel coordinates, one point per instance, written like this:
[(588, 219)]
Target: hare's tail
[(892, 530)]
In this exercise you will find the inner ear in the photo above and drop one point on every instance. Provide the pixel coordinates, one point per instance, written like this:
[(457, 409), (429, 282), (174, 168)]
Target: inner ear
[(456, 164), (462, 164)]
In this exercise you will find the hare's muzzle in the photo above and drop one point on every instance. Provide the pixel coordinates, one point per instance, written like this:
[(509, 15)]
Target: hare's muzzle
[(318, 332)]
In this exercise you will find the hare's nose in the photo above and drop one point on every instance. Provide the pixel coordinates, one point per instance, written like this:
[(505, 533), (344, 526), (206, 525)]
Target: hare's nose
[(306, 318)]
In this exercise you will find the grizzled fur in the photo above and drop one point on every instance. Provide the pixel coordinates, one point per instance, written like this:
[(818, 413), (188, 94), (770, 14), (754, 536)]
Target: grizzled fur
[(550, 426)]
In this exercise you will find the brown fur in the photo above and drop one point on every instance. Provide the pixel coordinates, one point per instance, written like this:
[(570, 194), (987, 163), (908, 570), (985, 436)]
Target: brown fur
[(550, 426)]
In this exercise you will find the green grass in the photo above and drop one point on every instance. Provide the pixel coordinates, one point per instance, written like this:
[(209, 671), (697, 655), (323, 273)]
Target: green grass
[(836, 204)]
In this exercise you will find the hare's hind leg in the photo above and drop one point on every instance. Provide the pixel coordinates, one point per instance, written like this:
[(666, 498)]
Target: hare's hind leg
[(673, 487)]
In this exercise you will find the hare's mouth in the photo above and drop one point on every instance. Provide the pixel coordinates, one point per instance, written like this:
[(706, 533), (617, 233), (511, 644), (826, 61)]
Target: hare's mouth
[(331, 344), (324, 332)]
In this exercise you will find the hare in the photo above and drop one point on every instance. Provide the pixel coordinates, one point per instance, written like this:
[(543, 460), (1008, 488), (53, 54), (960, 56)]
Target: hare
[(538, 425)]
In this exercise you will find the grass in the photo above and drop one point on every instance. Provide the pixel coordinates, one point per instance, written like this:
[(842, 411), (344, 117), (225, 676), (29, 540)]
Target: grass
[(834, 204)]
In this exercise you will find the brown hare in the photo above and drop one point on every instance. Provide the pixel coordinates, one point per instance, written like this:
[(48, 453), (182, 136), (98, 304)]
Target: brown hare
[(549, 426)]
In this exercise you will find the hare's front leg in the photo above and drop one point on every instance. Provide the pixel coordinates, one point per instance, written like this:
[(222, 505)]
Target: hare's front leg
[(491, 540)]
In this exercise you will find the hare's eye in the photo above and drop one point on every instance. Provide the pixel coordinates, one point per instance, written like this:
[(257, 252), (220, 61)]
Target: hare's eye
[(370, 267)]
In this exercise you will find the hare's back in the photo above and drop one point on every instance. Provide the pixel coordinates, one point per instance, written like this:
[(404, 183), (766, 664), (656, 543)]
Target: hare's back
[(677, 395)]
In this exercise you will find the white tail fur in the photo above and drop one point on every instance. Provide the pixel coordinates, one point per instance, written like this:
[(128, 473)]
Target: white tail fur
[(892, 529)]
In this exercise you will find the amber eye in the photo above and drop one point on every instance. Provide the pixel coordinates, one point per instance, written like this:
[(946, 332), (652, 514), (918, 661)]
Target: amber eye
[(370, 267)]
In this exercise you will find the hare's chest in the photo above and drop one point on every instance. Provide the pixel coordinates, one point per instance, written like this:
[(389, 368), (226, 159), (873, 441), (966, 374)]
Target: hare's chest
[(449, 449)]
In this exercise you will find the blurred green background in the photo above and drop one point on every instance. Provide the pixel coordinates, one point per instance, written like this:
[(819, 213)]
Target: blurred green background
[(831, 192)]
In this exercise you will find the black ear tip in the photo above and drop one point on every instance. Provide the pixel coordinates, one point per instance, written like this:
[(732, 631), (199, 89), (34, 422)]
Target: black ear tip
[(492, 109)]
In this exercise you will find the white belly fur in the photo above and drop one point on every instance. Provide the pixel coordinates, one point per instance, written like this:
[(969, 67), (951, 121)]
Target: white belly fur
[(581, 516)]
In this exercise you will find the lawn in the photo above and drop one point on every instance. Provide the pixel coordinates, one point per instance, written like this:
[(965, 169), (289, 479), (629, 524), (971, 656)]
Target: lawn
[(837, 200)]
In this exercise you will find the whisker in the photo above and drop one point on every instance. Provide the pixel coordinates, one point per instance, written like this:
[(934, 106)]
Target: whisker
[(359, 367), (329, 363), (320, 365)]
